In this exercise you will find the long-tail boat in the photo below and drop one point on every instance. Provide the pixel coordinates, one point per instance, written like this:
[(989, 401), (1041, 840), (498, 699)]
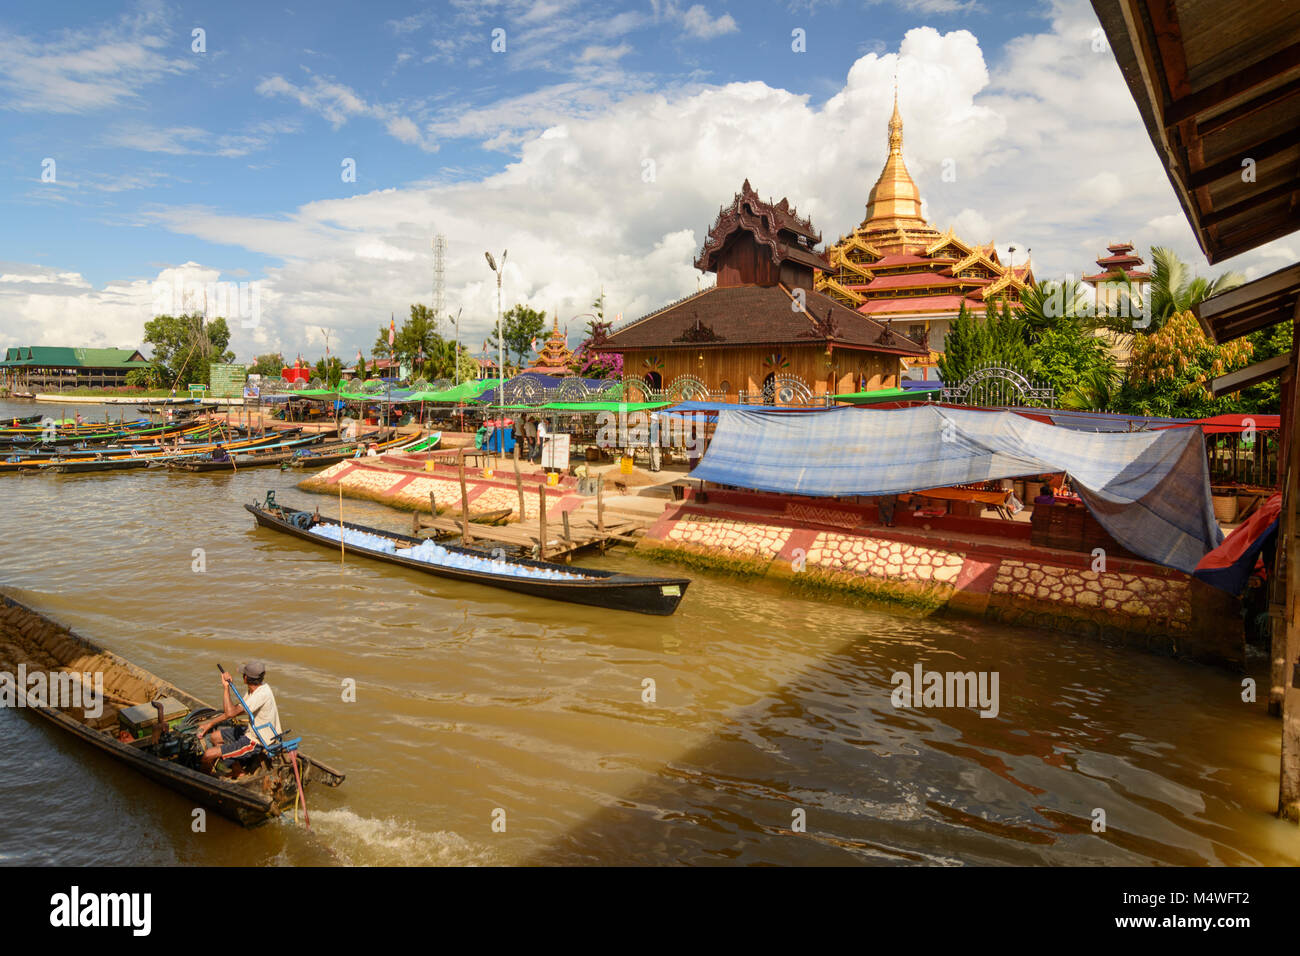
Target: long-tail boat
[(559, 582), (141, 719), (91, 460)]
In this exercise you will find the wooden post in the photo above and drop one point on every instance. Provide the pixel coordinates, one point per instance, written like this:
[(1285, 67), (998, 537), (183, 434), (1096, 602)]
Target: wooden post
[(600, 510), (464, 501), (519, 485), (1289, 785), (433, 504), (568, 536), (341, 546), (541, 522)]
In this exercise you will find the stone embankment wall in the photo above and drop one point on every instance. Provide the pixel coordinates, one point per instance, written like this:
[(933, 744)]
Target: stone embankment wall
[(1123, 601)]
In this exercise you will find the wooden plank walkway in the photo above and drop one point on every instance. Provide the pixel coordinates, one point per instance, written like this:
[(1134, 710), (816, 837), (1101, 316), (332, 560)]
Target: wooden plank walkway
[(572, 533)]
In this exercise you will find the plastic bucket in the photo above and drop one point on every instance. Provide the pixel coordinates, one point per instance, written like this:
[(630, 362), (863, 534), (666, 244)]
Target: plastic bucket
[(553, 478), (626, 463)]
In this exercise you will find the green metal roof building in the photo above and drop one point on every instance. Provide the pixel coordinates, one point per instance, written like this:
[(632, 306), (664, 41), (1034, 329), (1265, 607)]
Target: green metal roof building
[(52, 368)]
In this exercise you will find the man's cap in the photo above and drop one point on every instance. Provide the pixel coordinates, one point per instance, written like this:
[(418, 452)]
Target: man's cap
[(254, 670)]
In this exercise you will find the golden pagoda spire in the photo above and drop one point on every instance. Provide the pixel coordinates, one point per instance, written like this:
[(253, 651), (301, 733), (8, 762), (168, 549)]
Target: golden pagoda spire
[(895, 196), (896, 126)]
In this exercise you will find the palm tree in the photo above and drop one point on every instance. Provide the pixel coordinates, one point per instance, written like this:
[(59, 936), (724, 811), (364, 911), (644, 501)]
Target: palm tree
[(1172, 289), (1097, 390), (1045, 304)]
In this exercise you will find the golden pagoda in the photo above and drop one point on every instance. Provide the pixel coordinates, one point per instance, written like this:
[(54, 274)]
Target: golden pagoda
[(897, 267), (554, 356)]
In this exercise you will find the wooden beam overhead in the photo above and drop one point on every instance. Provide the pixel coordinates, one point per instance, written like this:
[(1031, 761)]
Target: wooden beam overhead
[(1272, 97), (1265, 301), (1251, 375), (1259, 151), (1269, 68), (1216, 216)]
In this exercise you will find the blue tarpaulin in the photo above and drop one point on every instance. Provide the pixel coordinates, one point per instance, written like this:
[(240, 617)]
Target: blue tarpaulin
[(1149, 490)]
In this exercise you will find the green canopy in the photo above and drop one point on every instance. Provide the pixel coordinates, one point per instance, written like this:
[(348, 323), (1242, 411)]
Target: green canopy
[(886, 395), (604, 406), (464, 392)]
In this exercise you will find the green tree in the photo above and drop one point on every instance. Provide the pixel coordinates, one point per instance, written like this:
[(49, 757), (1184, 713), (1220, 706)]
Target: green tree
[(330, 374), (268, 365), (1000, 339), (381, 348), (1170, 370), (419, 344), (1068, 353), (519, 327), (1097, 389), (1173, 289), (152, 376), (185, 345), (467, 366), (1046, 305), (1266, 343)]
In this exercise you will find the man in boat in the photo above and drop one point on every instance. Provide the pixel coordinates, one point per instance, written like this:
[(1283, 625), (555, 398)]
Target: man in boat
[(235, 744)]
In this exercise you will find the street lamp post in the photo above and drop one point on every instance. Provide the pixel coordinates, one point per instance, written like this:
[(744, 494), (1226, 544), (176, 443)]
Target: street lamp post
[(501, 341), (456, 350)]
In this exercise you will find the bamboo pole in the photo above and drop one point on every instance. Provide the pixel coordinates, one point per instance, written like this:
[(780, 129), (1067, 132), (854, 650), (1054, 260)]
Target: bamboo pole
[(341, 546), (519, 485), (464, 500), (541, 521), (600, 510)]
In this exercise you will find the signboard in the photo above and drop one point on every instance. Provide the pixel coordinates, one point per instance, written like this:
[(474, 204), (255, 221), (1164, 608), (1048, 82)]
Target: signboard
[(227, 380), (555, 452)]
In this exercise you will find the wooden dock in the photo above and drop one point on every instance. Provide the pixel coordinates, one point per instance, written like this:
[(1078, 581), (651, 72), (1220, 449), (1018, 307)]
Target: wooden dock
[(548, 538)]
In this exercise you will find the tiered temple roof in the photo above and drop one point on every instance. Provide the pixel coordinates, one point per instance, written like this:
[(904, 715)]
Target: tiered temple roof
[(1121, 261), (895, 264), (753, 242), (554, 356), (764, 256)]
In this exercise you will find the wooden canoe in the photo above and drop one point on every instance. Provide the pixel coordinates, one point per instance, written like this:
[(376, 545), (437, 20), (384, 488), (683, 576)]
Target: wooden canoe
[(605, 589), (41, 644)]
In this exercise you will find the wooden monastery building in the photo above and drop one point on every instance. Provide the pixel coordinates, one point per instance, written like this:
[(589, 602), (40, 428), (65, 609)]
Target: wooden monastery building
[(39, 368), (896, 266), (763, 333)]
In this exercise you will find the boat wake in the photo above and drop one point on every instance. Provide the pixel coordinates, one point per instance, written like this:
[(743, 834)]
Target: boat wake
[(363, 841)]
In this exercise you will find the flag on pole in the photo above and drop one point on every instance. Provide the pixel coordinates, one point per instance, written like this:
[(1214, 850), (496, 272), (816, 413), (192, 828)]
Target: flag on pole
[(533, 345), (392, 331)]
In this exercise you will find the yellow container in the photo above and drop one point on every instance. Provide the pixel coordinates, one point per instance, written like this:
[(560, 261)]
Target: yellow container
[(488, 472), (428, 466), (553, 478), (626, 463)]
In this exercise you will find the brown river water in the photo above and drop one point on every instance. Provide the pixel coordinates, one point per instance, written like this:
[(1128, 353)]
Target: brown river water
[(471, 700)]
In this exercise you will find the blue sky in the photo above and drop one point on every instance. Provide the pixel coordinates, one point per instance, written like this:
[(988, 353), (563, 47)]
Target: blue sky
[(226, 163)]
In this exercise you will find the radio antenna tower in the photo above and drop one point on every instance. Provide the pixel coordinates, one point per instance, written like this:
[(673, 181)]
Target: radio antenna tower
[(439, 276)]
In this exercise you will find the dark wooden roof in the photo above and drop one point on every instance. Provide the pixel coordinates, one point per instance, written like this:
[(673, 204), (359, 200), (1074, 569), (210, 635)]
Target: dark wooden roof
[(1256, 305), (1218, 87), (738, 316), (775, 225)]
